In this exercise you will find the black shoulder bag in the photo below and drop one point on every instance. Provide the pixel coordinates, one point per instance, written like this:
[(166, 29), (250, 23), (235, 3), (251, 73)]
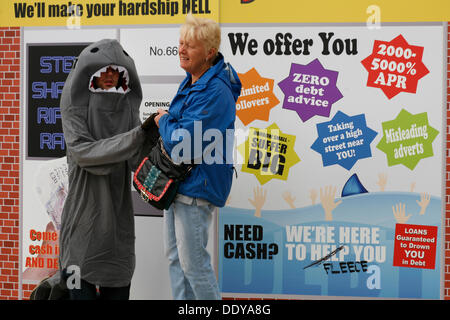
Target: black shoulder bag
[(157, 177)]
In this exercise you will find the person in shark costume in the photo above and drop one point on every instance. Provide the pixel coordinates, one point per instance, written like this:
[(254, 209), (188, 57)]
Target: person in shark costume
[(104, 139)]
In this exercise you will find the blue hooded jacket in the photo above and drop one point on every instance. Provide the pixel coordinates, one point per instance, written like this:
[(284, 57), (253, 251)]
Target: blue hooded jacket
[(200, 127)]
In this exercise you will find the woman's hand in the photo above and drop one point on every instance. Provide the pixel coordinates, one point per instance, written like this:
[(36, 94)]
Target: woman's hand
[(161, 112)]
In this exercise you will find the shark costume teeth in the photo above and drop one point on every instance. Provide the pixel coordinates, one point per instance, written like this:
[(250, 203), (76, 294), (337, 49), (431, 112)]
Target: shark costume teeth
[(124, 80)]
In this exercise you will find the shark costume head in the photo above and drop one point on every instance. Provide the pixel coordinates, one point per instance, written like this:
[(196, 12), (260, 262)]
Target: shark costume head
[(108, 112)]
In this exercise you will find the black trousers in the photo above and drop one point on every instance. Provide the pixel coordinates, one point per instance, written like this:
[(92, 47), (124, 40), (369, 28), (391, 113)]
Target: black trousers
[(88, 291)]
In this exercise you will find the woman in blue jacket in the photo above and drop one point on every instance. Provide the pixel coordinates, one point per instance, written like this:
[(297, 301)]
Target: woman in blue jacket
[(198, 128)]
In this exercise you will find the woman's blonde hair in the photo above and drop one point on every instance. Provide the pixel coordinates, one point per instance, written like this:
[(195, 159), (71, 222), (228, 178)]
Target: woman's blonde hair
[(202, 29)]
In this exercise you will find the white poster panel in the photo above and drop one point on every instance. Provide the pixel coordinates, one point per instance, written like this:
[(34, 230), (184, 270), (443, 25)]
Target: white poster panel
[(156, 96), (154, 50)]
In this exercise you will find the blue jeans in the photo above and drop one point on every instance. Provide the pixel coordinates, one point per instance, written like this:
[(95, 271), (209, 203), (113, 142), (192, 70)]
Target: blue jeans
[(185, 238)]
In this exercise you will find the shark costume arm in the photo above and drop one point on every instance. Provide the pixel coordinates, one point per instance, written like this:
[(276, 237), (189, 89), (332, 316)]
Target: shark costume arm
[(99, 156)]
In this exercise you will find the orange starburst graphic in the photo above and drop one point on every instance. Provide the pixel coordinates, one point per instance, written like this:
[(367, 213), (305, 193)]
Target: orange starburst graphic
[(257, 97)]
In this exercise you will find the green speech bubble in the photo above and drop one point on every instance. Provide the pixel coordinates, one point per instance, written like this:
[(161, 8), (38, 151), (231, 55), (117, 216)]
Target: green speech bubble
[(407, 139)]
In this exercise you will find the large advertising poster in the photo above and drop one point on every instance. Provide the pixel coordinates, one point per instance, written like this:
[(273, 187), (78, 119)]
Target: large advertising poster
[(339, 149), (339, 160)]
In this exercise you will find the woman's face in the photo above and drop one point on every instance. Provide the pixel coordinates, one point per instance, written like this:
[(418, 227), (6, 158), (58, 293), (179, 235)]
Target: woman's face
[(193, 56)]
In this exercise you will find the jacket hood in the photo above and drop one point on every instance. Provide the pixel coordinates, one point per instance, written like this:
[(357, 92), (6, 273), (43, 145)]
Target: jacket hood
[(230, 75), (88, 111), (225, 72)]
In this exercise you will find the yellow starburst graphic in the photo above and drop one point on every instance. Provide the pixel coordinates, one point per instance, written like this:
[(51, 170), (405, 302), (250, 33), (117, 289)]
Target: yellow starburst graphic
[(268, 153)]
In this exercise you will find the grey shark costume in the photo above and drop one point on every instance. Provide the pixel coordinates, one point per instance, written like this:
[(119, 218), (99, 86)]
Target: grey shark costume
[(104, 138)]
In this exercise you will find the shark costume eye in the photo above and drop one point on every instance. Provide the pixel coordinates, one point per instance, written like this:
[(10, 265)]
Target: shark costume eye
[(125, 53), (95, 49)]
